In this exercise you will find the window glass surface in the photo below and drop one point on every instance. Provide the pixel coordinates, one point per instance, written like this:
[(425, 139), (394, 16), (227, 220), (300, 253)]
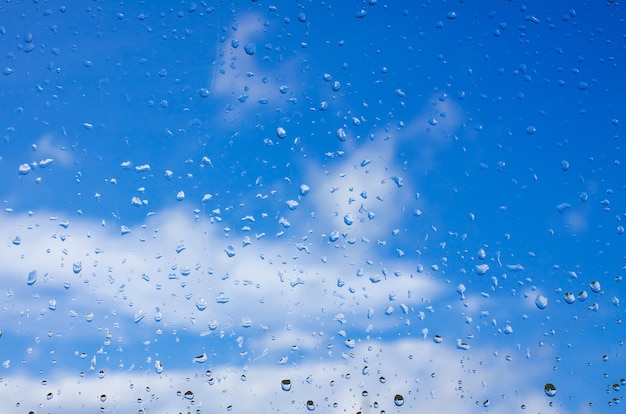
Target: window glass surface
[(335, 206)]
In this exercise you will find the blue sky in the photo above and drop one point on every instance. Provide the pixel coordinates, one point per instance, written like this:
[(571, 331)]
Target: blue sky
[(325, 192)]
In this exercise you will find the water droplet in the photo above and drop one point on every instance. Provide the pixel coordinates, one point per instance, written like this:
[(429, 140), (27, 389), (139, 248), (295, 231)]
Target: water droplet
[(139, 316), (595, 286), (541, 301), (203, 92), (531, 130), (101, 374), (482, 254), (52, 304), (281, 133), (250, 48), (451, 15), (180, 196), (77, 267), (285, 384), (49, 396), (310, 405), (582, 295), (188, 395), (292, 204), (563, 207), (398, 400), (437, 339), (569, 298), (348, 219), (481, 269), (200, 358), (549, 389), (564, 165), (201, 304), (103, 397), (341, 134), (32, 278), (230, 251), (23, 169)]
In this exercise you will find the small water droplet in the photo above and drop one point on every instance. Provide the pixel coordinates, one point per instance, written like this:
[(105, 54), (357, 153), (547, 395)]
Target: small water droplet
[(200, 358), (77, 267), (310, 405), (437, 339), (103, 397), (201, 304), (281, 133), (564, 165), (188, 395), (32, 278), (549, 389), (230, 251), (158, 366)]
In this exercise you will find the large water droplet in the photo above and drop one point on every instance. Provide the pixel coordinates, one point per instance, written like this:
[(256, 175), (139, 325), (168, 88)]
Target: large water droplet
[(250, 48), (541, 301), (188, 395), (569, 298), (595, 286), (77, 267), (398, 400), (549, 389), (481, 269), (310, 405), (285, 384)]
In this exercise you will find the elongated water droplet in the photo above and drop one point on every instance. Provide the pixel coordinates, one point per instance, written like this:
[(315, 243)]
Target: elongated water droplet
[(32, 278), (481, 269), (200, 358), (158, 367)]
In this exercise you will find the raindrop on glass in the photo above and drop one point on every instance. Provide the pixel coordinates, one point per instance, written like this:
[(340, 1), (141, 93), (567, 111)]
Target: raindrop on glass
[(549, 389), (285, 384), (398, 400), (541, 301)]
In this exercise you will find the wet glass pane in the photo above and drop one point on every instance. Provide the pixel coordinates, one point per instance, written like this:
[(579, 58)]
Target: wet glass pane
[(332, 206)]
